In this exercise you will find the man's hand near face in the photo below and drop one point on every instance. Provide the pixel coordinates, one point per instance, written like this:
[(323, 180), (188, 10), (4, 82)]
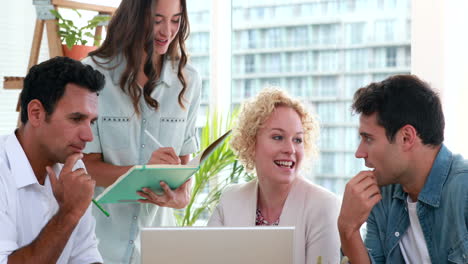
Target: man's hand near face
[(73, 190), (361, 194)]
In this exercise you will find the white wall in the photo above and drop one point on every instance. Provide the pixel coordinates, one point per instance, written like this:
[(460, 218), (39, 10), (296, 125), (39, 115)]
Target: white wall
[(439, 49), (17, 19), (456, 75)]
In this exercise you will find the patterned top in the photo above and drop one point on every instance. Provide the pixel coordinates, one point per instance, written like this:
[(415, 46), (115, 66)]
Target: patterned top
[(260, 220)]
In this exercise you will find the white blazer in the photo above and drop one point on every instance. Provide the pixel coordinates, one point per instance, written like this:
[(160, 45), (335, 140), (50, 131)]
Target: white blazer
[(311, 209)]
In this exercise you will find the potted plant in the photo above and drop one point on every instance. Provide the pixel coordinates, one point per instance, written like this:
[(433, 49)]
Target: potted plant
[(217, 172), (75, 38)]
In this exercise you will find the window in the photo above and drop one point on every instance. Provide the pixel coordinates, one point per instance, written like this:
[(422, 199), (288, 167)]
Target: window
[(296, 86), (391, 60), (326, 61), (330, 138), (355, 33), (273, 38), (271, 63), (352, 83), (198, 42), (357, 60), (330, 112), (407, 59), (385, 30), (252, 39), (328, 163), (269, 82), (198, 46), (327, 86), (237, 64), (379, 58), (297, 62), (351, 139), (257, 13), (351, 166), (297, 36), (249, 63), (202, 64), (325, 34), (248, 89)]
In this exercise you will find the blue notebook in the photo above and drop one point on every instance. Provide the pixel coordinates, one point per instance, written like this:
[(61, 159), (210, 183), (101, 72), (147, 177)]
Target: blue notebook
[(124, 189)]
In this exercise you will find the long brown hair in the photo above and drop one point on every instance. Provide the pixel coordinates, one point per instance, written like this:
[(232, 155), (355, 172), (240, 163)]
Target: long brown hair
[(130, 33)]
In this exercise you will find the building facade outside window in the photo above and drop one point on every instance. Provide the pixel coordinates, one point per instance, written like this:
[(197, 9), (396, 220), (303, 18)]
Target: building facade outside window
[(321, 51)]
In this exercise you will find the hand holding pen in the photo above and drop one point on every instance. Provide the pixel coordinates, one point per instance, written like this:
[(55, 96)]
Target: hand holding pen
[(178, 198), (162, 155)]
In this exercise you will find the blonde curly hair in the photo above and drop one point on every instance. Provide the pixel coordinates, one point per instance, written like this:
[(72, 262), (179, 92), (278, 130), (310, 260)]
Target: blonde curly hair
[(253, 115)]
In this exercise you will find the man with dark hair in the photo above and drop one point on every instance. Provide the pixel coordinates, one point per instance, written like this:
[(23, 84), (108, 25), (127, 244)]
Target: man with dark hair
[(45, 192), (415, 198)]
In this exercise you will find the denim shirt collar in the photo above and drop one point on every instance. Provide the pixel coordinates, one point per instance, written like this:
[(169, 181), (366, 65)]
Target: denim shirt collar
[(432, 190)]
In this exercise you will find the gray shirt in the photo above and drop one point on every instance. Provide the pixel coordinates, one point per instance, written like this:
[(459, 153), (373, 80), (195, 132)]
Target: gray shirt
[(119, 136)]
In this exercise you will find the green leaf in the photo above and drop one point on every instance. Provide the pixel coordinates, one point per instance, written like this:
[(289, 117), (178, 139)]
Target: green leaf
[(69, 23), (56, 14), (78, 13), (71, 35), (221, 162), (70, 42), (96, 42), (88, 34)]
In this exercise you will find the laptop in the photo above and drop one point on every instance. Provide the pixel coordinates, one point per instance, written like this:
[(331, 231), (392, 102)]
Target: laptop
[(217, 245)]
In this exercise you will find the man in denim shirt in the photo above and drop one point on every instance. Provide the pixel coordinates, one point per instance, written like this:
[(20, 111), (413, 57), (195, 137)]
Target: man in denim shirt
[(415, 198)]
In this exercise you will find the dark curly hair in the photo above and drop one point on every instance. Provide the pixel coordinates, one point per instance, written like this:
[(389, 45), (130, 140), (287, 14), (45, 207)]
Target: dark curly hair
[(403, 100), (46, 82)]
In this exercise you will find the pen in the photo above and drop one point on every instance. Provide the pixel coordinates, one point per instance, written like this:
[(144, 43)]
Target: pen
[(153, 138), (100, 208)]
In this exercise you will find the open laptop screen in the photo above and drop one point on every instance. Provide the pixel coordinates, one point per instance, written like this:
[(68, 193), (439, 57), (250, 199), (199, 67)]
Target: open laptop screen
[(216, 245)]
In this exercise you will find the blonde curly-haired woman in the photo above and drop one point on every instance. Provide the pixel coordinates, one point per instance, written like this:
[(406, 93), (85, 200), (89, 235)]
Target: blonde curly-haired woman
[(273, 136)]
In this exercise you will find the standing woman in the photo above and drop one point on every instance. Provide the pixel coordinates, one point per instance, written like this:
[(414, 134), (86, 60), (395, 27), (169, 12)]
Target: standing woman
[(149, 86)]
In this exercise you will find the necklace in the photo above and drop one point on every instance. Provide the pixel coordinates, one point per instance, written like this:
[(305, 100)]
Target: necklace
[(260, 220)]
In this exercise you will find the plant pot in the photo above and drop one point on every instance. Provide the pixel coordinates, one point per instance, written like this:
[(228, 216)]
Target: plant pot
[(77, 52)]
